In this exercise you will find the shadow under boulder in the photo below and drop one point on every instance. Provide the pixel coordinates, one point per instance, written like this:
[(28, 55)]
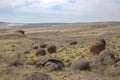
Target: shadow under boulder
[(43, 45), (73, 43)]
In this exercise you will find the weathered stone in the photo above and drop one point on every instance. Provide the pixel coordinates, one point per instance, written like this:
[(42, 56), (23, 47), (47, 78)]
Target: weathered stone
[(40, 52), (107, 57), (80, 64), (97, 47), (51, 48), (49, 63)]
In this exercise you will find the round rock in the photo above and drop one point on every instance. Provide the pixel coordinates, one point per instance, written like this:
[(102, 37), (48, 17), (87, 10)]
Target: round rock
[(102, 40), (49, 64), (97, 47), (80, 64), (54, 65), (107, 57), (51, 48), (40, 52), (37, 76)]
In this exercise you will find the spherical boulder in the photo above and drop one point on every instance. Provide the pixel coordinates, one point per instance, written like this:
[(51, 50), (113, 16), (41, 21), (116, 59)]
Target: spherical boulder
[(53, 65), (107, 57), (102, 40), (97, 47), (49, 63), (80, 64), (40, 52), (51, 48), (37, 76)]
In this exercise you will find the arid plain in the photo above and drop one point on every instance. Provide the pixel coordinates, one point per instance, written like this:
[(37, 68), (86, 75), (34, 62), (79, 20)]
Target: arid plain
[(21, 53)]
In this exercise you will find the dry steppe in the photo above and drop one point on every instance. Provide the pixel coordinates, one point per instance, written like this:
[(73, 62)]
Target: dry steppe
[(15, 46)]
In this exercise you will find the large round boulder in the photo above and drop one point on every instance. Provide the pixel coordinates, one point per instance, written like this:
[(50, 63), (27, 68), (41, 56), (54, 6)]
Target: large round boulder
[(40, 52), (107, 57), (54, 65), (80, 64), (51, 48), (37, 76), (48, 63), (97, 47), (102, 40)]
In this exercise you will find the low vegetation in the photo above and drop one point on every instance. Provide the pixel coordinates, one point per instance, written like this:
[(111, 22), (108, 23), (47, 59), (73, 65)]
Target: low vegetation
[(74, 52)]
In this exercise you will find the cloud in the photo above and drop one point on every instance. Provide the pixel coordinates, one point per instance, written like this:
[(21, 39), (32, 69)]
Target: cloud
[(102, 9)]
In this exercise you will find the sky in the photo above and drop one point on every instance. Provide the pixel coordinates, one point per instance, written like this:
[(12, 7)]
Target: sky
[(49, 11)]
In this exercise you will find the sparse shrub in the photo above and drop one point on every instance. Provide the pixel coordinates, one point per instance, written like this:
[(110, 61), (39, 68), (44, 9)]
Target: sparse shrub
[(95, 64), (35, 47), (112, 71), (37, 76), (79, 76), (15, 63), (26, 52)]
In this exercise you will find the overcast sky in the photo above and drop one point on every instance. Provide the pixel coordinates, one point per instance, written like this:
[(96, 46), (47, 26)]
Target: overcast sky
[(45, 11)]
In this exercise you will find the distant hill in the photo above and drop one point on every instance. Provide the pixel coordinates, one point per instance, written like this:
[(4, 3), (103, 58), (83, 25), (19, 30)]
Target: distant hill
[(6, 25), (25, 25), (3, 24)]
